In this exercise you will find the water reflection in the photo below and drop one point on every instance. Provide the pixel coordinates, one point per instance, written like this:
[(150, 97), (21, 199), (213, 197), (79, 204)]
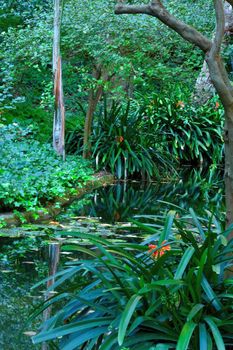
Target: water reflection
[(25, 261), (16, 303), (122, 201)]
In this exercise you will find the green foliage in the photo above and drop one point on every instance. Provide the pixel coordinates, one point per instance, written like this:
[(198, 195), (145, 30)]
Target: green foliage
[(27, 115), (192, 134), (18, 249), (172, 294), (26, 52), (31, 174), (155, 133), (124, 144)]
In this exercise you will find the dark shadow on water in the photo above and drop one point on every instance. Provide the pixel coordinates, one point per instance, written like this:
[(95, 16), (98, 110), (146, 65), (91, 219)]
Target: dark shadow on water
[(120, 202)]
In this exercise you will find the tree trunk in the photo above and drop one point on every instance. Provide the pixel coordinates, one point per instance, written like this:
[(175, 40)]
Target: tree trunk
[(228, 10), (92, 104), (204, 88), (228, 138), (94, 97), (59, 109)]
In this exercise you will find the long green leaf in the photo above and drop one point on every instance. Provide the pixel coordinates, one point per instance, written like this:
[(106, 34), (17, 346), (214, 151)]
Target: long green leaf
[(70, 328), (212, 297), (126, 316), (203, 337), (83, 337), (185, 335), (184, 262), (197, 223), (216, 334), (161, 283), (194, 311), (168, 225)]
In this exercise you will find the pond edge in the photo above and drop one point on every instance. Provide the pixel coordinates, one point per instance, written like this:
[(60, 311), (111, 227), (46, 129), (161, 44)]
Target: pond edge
[(54, 208)]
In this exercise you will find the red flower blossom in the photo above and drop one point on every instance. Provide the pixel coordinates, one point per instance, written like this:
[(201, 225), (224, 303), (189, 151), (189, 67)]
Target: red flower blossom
[(180, 104), (159, 252), (217, 104), (119, 139)]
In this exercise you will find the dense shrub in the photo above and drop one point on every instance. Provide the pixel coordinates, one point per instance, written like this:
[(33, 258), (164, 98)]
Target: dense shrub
[(153, 135), (191, 133), (31, 173), (124, 143)]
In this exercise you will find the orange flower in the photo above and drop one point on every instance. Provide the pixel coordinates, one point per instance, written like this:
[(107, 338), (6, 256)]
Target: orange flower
[(180, 104), (159, 252), (217, 104), (119, 139)]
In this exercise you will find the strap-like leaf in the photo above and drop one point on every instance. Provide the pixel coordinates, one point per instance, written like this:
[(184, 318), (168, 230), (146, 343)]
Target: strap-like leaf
[(203, 337), (194, 311), (212, 297), (185, 335), (168, 225), (184, 262), (216, 334), (126, 316), (197, 223), (71, 328)]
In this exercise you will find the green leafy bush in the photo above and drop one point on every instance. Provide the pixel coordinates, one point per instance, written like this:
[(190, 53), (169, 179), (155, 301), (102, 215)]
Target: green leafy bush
[(124, 144), (192, 134), (31, 174), (170, 294), (154, 134)]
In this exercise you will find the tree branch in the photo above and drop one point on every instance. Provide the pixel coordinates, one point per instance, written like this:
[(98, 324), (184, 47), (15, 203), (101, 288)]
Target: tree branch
[(121, 9), (156, 9), (220, 27), (214, 61)]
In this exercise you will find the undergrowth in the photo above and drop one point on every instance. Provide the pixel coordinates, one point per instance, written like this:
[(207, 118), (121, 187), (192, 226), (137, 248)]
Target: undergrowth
[(31, 174)]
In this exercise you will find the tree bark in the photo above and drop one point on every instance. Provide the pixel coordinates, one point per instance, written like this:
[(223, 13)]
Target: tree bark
[(59, 109), (218, 74), (204, 88), (94, 97), (228, 138), (228, 18)]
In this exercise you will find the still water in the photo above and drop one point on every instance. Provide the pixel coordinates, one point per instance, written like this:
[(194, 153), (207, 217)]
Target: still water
[(24, 258)]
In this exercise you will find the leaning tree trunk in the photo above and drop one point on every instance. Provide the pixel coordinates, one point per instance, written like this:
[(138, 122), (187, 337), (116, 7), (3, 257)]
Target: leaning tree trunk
[(59, 109), (228, 138), (95, 95), (222, 84), (93, 99), (204, 88)]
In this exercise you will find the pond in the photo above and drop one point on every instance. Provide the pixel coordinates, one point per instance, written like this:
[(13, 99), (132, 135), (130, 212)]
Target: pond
[(24, 252)]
